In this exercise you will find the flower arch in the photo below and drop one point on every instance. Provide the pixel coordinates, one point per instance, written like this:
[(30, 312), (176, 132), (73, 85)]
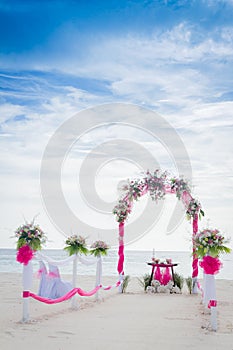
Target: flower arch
[(157, 184)]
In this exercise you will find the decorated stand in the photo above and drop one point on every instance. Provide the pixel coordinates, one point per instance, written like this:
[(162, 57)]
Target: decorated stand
[(52, 289), (157, 184), (209, 245)]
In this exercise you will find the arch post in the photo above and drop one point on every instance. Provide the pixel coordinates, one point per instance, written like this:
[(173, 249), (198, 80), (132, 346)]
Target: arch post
[(195, 257), (121, 256)]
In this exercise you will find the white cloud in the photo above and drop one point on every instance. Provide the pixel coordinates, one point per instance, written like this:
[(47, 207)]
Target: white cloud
[(174, 73)]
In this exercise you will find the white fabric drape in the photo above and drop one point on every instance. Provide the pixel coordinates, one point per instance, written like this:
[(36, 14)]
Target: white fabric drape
[(91, 260), (41, 256), (84, 260)]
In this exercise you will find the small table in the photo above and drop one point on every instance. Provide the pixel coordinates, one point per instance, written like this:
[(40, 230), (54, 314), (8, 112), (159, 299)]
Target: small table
[(154, 265)]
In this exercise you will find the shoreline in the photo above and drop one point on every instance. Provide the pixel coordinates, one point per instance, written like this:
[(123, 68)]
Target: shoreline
[(132, 320)]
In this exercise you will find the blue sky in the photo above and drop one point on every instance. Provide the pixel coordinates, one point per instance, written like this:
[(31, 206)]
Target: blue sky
[(61, 57)]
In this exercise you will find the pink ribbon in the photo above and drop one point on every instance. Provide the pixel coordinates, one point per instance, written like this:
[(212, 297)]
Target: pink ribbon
[(53, 274), (212, 303)]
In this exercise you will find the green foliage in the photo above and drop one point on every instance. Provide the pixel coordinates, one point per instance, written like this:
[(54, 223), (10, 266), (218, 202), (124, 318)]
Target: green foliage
[(201, 213), (125, 283), (99, 248), (76, 245), (76, 249), (213, 251), (189, 282), (99, 251), (179, 280), (34, 243), (144, 281)]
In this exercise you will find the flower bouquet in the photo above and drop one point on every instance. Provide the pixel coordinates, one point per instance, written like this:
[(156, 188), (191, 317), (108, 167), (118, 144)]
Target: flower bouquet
[(210, 242), (194, 208), (121, 210), (31, 235), (99, 248), (179, 186), (76, 245)]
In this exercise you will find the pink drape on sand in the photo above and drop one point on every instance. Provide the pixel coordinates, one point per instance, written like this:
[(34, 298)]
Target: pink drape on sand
[(67, 296)]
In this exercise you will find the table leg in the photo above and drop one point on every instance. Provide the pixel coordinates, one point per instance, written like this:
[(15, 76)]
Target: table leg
[(152, 274), (173, 277)]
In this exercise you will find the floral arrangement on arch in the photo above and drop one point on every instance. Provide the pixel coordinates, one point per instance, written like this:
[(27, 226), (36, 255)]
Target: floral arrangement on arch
[(76, 245), (122, 210), (194, 208), (179, 186), (99, 248), (210, 242), (31, 235), (156, 184)]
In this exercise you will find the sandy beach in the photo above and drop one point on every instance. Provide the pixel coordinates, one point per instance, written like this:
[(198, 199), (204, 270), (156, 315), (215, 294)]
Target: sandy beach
[(133, 320)]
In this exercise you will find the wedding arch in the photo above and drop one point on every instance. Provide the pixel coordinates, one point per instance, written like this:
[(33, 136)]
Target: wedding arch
[(157, 184)]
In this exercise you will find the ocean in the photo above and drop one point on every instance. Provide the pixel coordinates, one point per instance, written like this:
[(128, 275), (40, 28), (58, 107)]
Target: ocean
[(135, 263)]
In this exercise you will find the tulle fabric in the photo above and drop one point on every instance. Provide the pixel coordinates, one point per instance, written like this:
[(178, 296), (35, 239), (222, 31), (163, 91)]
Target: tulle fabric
[(210, 265)]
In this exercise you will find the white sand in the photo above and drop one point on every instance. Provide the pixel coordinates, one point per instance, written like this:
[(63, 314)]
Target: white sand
[(133, 320)]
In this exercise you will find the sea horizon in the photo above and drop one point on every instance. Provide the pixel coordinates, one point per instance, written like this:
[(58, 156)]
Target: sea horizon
[(135, 265)]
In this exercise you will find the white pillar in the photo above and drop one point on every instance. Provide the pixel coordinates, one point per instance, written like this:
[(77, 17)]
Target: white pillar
[(210, 294), (27, 284), (98, 274), (74, 303), (213, 318), (121, 279), (195, 286), (209, 289)]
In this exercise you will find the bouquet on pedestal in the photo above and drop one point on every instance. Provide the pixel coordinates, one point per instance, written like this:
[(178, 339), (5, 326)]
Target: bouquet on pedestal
[(76, 245), (30, 239), (99, 248), (210, 242)]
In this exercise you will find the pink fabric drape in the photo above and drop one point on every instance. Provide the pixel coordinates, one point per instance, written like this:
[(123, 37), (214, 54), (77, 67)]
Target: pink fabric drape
[(158, 275), (24, 254), (120, 267), (210, 265), (166, 276), (195, 258), (186, 198), (67, 296)]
